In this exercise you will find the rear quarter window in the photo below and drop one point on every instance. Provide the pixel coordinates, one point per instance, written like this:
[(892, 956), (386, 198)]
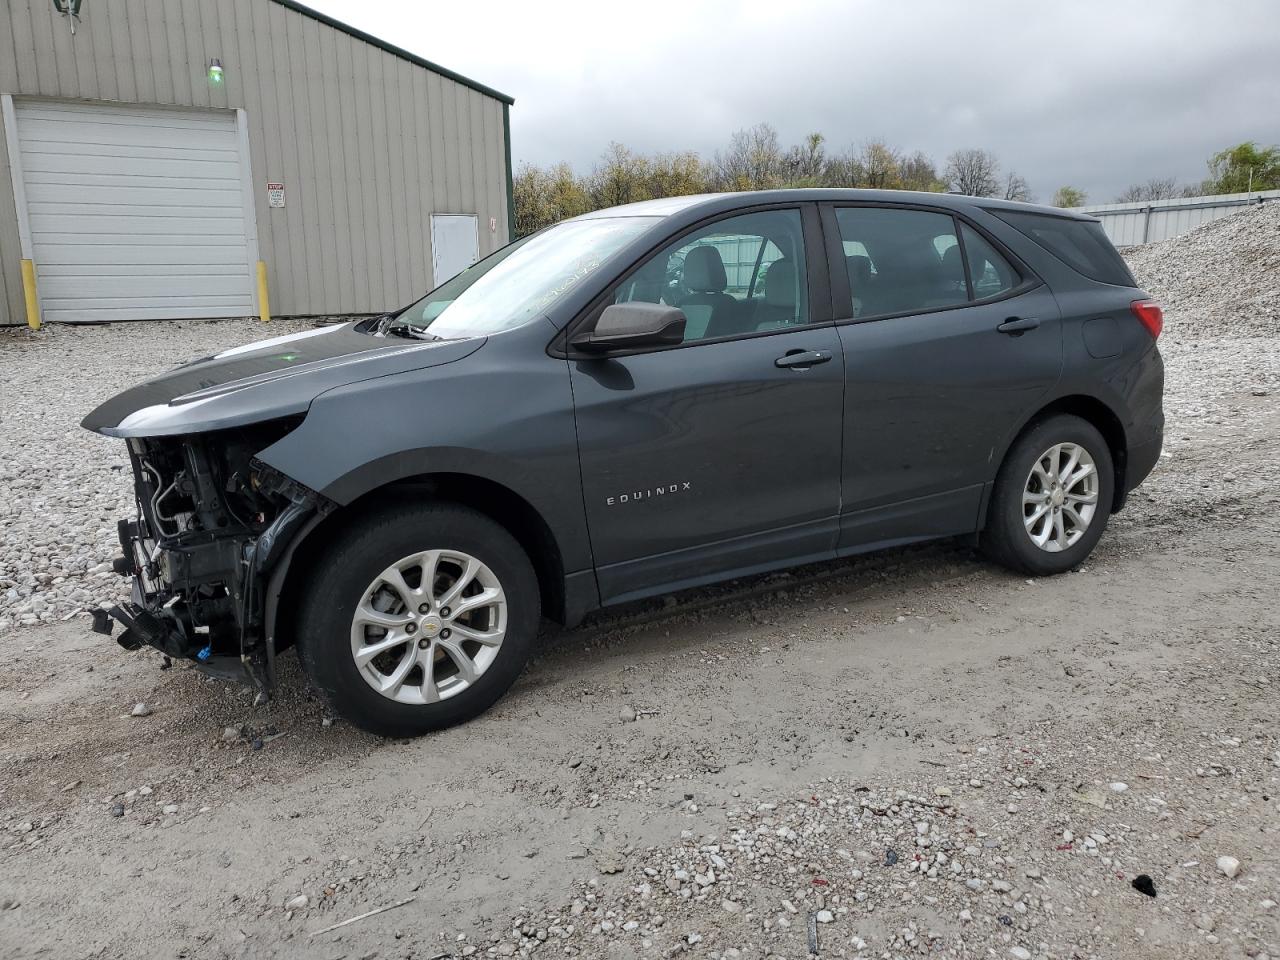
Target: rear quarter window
[(1081, 244)]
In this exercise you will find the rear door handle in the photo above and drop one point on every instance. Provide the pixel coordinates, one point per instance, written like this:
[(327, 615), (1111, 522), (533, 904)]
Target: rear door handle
[(803, 358), (1018, 325)]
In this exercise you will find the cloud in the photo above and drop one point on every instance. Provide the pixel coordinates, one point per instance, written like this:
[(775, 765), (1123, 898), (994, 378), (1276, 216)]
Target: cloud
[(1097, 93)]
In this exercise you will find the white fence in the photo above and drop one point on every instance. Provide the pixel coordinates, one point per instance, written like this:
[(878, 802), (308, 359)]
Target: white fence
[(1150, 220)]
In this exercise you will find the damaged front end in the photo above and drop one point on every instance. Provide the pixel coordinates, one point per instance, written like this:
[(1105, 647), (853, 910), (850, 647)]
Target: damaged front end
[(208, 549)]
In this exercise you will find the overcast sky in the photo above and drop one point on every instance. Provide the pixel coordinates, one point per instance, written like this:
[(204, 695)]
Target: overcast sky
[(1094, 93)]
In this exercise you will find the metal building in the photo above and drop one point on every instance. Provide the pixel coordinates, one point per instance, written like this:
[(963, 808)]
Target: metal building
[(158, 157), (1147, 221)]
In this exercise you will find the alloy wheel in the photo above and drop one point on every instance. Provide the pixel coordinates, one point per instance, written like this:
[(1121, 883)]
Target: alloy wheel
[(1060, 497), (429, 626)]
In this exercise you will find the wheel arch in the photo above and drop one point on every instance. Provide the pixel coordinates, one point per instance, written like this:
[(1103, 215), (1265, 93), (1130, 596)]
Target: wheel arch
[(1102, 417), (496, 501)]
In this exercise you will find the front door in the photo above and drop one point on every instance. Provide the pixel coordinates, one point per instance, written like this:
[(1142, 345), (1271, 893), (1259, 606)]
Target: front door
[(947, 345), (723, 453)]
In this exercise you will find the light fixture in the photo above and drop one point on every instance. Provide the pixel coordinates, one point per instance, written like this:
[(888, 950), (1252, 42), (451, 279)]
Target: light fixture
[(215, 72)]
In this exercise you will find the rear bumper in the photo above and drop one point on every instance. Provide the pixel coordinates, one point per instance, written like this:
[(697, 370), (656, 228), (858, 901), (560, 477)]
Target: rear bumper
[(1144, 434), (1141, 460)]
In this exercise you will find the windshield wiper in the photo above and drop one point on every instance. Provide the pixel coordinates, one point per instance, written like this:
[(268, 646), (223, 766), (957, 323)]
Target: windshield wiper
[(409, 332)]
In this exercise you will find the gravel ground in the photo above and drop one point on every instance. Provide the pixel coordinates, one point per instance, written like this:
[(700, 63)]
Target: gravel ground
[(62, 489), (906, 754)]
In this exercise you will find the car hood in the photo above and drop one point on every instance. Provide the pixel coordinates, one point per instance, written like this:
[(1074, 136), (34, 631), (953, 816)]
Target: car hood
[(264, 380)]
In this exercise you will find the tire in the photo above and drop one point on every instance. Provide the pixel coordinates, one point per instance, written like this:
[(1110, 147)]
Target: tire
[(415, 538), (1008, 539)]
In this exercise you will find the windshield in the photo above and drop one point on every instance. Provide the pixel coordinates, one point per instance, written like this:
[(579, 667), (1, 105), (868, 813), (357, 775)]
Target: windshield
[(519, 282)]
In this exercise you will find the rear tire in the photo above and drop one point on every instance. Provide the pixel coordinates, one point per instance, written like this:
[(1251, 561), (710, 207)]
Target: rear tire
[(418, 618), (1052, 497)]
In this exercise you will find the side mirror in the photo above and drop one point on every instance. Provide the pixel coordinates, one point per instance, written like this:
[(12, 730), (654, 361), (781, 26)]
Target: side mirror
[(623, 326)]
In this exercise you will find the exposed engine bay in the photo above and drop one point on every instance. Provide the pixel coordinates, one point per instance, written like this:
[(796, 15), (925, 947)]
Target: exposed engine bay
[(212, 526)]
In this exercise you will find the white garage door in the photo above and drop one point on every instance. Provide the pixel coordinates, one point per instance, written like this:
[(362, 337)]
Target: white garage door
[(136, 213)]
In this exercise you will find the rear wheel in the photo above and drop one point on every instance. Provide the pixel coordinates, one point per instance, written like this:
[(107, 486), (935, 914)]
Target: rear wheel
[(419, 618), (1052, 497)]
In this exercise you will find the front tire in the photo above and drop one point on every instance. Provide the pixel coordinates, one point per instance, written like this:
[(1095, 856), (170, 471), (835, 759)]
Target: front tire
[(418, 618), (1052, 497)]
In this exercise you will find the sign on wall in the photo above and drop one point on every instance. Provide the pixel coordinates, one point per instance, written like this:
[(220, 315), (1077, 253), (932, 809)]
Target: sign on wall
[(275, 194)]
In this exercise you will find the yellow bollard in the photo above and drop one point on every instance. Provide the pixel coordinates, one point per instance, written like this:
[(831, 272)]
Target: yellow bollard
[(29, 291), (264, 305)]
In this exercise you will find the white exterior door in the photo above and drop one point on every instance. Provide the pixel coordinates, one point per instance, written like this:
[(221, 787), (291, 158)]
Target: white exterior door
[(135, 213), (455, 244)]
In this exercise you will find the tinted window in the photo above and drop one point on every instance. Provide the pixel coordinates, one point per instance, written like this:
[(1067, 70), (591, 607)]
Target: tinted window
[(911, 262), (989, 272), (741, 275), (1081, 244)]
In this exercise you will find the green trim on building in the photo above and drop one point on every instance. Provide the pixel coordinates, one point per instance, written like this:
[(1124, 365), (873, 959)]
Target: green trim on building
[(395, 51), (511, 188)]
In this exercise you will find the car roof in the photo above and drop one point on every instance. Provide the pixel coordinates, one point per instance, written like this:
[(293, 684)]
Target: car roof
[(709, 203)]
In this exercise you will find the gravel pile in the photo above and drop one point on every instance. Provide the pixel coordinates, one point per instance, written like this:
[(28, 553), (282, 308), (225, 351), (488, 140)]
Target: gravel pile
[(1221, 280), (62, 489)]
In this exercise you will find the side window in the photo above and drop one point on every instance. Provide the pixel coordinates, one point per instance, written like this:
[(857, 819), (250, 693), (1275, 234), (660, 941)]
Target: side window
[(990, 273), (1082, 244), (769, 255), (910, 260), (742, 275)]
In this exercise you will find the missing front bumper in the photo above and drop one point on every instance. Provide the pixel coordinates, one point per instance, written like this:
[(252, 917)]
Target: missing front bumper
[(155, 628), (202, 598)]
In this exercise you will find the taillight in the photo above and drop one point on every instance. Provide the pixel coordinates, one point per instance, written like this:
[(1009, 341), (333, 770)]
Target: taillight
[(1152, 317)]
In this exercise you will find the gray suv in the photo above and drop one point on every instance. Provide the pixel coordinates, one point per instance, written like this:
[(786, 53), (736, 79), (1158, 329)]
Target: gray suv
[(626, 404)]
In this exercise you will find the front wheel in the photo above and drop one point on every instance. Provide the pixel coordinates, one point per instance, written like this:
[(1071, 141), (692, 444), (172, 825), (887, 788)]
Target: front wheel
[(418, 618), (1052, 497)]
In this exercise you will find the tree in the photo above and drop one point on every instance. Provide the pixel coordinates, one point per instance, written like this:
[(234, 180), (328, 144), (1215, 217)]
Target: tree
[(842, 170), (1069, 197), (677, 175), (1017, 188), (1157, 188), (805, 163), (917, 172), (973, 172), (621, 176), (1243, 168), (544, 197), (880, 166), (753, 161)]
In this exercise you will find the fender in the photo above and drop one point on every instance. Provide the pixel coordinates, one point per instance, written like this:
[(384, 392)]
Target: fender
[(450, 419)]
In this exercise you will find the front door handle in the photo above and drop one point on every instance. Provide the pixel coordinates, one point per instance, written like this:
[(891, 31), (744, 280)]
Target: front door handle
[(803, 358), (1016, 326)]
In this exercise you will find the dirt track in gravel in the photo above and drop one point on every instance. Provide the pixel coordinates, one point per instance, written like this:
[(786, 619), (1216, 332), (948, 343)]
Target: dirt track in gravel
[(887, 671)]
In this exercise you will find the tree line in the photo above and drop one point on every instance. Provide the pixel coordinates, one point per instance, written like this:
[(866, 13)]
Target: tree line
[(1244, 168), (755, 159)]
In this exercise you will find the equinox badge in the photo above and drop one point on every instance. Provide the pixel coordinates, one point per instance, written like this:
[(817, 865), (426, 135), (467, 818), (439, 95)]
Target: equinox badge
[(649, 493)]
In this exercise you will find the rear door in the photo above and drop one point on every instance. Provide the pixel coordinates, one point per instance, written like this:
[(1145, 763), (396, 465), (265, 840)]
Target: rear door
[(948, 340), (722, 453)]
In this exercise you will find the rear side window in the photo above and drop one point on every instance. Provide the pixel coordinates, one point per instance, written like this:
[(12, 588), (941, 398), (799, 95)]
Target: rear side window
[(1081, 244), (990, 273), (901, 261)]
